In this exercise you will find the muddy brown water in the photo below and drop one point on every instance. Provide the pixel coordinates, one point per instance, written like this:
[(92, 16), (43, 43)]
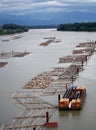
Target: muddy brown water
[(19, 71)]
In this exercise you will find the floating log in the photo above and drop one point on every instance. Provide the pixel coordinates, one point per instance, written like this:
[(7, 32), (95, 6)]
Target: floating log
[(2, 64), (21, 54), (86, 44), (49, 38), (46, 43), (24, 120), (6, 55), (31, 103), (71, 73), (73, 58), (26, 126), (28, 117), (41, 81)]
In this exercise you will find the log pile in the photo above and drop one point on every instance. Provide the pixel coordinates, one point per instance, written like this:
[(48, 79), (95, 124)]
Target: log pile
[(6, 55), (86, 44), (46, 43), (73, 58), (71, 73), (41, 81), (88, 48), (2, 64)]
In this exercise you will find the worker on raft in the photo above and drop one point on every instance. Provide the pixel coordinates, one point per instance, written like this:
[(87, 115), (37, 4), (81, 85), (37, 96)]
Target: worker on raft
[(66, 87)]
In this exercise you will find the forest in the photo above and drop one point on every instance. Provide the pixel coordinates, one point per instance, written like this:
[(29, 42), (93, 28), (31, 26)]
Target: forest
[(12, 29), (88, 27)]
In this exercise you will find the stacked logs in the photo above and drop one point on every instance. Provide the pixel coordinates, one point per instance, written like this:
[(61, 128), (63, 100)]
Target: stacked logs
[(69, 73), (2, 64), (41, 81)]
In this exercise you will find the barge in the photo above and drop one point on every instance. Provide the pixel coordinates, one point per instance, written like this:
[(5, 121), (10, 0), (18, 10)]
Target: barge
[(73, 98)]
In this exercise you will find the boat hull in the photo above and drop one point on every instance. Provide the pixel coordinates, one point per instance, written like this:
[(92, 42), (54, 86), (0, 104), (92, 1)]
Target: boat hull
[(73, 99)]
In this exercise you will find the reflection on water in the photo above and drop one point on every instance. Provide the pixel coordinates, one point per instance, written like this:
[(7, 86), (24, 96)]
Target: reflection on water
[(73, 113)]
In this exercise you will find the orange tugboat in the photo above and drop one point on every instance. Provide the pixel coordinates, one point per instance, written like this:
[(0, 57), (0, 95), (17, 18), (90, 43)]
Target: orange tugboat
[(72, 99)]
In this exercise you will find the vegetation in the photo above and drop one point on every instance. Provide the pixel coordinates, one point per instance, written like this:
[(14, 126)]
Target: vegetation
[(42, 26), (89, 27), (12, 29)]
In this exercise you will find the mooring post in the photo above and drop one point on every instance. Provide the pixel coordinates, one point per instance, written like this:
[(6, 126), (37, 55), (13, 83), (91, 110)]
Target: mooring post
[(72, 80), (47, 117), (34, 128), (77, 70), (86, 58), (82, 63), (58, 97), (66, 87)]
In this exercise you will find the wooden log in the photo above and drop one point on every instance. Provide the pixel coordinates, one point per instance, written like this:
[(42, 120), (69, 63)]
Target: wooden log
[(25, 126), (20, 117)]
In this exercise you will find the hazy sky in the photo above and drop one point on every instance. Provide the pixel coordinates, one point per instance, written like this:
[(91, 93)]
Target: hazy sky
[(47, 10)]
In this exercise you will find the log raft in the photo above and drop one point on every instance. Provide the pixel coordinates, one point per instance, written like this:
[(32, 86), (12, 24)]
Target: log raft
[(33, 106)]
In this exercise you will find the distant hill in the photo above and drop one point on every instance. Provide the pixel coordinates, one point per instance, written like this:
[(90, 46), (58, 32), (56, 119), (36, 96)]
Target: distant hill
[(88, 27)]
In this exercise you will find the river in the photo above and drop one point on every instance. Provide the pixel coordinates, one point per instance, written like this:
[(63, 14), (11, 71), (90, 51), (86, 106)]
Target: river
[(18, 71)]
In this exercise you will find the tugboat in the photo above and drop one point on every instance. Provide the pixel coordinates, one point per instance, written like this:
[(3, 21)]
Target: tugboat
[(73, 98)]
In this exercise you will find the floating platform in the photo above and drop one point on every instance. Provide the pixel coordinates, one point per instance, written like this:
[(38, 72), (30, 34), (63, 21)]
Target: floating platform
[(73, 98)]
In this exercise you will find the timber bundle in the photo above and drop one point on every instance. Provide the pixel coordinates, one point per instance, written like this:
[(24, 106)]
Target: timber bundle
[(46, 43), (49, 40), (5, 55), (67, 74), (41, 81), (2, 64)]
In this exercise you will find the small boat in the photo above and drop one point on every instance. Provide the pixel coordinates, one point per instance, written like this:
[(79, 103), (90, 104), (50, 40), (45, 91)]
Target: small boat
[(73, 98)]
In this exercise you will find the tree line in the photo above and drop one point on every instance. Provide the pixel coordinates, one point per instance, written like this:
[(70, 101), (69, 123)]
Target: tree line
[(89, 27), (12, 29)]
